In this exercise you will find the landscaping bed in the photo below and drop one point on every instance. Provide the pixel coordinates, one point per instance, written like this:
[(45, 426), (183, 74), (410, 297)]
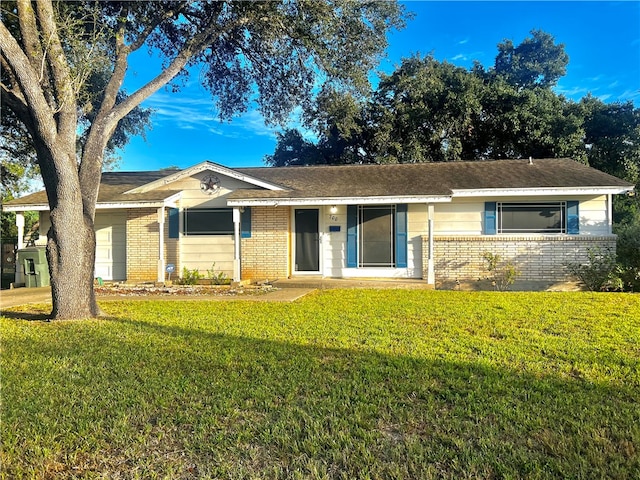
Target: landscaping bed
[(140, 290)]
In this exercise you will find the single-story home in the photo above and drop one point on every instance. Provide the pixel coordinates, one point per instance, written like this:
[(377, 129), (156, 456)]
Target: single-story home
[(430, 221)]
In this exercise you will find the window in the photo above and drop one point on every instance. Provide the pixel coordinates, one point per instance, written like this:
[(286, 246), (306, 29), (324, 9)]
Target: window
[(377, 236), (544, 217), (208, 221)]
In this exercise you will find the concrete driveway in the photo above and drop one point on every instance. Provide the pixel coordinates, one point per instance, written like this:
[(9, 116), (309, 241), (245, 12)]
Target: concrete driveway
[(24, 296)]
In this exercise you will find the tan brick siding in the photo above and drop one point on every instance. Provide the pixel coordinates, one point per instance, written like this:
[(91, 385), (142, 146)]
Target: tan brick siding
[(266, 254), (538, 259), (143, 244)]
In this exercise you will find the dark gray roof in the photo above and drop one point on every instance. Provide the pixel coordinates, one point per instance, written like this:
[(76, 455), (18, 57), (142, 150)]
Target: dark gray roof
[(419, 179), (426, 179), (113, 186)]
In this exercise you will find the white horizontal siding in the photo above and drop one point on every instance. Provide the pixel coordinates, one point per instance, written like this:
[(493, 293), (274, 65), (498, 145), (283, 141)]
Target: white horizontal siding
[(464, 217), (458, 218), (201, 252)]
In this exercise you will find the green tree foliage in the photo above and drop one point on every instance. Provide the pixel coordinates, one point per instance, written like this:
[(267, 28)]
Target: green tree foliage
[(269, 54), (612, 143), (293, 149), (424, 111), (537, 61), (428, 110), (628, 253)]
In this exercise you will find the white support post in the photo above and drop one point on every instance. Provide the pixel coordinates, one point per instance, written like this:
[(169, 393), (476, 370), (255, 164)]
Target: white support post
[(431, 274), (236, 249), (20, 224), (609, 214), (161, 266)]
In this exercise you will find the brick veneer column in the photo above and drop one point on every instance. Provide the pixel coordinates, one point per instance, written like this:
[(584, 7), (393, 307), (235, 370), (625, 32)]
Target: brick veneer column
[(266, 254), (143, 244)]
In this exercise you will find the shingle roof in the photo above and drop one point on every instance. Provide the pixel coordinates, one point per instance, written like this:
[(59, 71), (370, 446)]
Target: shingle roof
[(426, 179), (113, 186), (420, 179)]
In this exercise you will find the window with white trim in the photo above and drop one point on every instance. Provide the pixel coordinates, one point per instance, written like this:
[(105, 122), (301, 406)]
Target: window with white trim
[(543, 217)]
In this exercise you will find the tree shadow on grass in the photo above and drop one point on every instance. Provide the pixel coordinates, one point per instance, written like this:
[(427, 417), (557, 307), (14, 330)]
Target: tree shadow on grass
[(31, 316), (243, 407)]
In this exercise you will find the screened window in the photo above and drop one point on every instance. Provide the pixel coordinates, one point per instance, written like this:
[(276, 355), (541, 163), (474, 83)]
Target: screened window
[(208, 221), (377, 236), (547, 217)]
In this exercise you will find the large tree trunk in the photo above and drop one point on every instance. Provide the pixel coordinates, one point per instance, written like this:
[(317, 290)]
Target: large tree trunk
[(71, 240), (71, 247)]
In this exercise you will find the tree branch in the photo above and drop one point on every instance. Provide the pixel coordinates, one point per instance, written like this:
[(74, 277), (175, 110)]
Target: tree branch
[(29, 31), (62, 80), (32, 97)]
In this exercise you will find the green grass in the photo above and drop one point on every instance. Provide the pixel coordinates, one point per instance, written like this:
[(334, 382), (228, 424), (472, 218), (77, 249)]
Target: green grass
[(342, 384)]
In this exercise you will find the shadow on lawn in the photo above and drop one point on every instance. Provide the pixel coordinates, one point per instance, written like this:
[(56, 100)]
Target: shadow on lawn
[(28, 316), (247, 407)]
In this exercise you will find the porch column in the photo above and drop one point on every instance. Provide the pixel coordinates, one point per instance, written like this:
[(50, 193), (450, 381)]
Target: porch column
[(431, 274), (609, 214), (236, 242), (20, 224), (161, 266)]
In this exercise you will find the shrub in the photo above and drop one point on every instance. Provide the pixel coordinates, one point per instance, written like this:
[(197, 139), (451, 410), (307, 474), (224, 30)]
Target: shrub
[(628, 254), (501, 274), (190, 277), (216, 278), (600, 273)]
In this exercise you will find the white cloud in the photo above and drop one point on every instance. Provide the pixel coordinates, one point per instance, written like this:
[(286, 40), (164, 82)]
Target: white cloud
[(186, 112)]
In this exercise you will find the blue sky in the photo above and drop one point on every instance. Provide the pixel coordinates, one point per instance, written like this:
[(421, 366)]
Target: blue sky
[(602, 40)]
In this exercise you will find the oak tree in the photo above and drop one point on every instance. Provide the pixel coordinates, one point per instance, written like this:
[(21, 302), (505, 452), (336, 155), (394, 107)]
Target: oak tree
[(270, 53)]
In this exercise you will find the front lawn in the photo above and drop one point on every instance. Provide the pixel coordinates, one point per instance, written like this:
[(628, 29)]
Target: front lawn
[(342, 384)]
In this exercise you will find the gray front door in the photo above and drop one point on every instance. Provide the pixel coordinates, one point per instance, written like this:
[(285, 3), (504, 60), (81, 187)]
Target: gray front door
[(307, 240)]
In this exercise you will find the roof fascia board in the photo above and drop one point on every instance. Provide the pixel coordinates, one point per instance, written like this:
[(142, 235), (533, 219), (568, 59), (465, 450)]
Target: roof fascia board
[(271, 202), (201, 167), (171, 201), (33, 207), (521, 192)]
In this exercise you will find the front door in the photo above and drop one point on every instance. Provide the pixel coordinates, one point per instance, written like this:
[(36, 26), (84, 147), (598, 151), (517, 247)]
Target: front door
[(307, 240)]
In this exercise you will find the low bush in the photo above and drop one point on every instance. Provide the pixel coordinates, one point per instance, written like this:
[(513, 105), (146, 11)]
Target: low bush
[(502, 274), (600, 273), (628, 255)]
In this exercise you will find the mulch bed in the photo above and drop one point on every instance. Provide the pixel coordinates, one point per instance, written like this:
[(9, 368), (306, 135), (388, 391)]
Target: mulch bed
[(181, 290)]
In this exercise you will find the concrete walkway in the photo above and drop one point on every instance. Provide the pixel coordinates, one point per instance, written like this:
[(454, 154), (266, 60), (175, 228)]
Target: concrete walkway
[(25, 296)]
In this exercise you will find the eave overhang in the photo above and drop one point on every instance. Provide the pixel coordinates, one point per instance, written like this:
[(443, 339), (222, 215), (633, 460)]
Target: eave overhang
[(544, 192), (373, 200), (168, 202)]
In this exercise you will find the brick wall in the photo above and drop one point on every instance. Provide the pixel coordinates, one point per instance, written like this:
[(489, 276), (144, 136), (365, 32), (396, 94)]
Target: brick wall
[(266, 254), (143, 244), (539, 259)]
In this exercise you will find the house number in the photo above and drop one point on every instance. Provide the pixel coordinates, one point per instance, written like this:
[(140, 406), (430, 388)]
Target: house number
[(333, 218)]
